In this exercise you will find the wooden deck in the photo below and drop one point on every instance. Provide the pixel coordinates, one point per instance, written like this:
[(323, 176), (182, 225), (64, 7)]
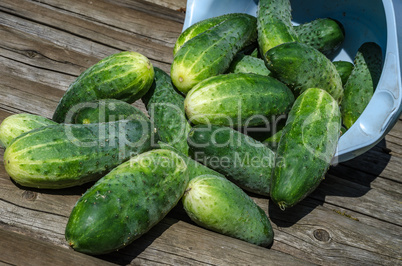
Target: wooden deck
[(353, 218)]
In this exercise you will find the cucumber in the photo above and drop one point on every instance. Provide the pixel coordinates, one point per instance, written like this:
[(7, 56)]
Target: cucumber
[(123, 76), (198, 28), (211, 52), (243, 160), (66, 155), (255, 53), (274, 24), (248, 64), (166, 109), (127, 202), (324, 34), (343, 130), (17, 124), (194, 168), (106, 110), (237, 99), (219, 205), (301, 66), (306, 148), (344, 69), (361, 84), (272, 141)]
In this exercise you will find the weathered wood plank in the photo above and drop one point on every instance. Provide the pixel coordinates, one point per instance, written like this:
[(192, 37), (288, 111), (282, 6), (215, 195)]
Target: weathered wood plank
[(133, 20), (79, 34), (172, 4), (166, 9), (352, 218), (18, 249)]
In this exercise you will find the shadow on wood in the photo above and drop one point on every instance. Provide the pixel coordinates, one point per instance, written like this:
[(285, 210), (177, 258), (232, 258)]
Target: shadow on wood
[(126, 255)]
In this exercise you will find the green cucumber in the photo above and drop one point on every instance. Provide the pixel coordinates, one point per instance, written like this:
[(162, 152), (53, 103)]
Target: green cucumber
[(344, 69), (106, 110), (237, 99), (127, 202), (306, 148), (361, 84), (219, 205), (324, 34), (211, 52), (243, 160), (343, 130), (198, 28), (194, 168), (248, 64), (17, 124), (123, 76), (274, 24), (166, 109), (272, 141), (255, 53), (66, 155), (301, 66)]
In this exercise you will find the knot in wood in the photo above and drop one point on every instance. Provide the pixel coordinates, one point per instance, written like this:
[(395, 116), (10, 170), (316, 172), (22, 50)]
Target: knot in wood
[(29, 195), (321, 235), (31, 53)]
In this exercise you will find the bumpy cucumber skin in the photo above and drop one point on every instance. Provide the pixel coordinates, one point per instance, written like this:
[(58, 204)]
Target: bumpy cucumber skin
[(274, 24), (107, 110), (272, 141), (166, 109), (194, 168), (248, 64), (361, 84), (127, 202), (324, 34), (344, 69), (211, 52), (125, 76), (243, 160), (198, 28), (219, 205), (301, 66), (15, 125), (306, 148), (66, 155), (236, 99)]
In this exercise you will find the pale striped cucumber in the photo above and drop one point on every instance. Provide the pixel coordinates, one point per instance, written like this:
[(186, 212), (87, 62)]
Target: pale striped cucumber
[(15, 125), (248, 64), (66, 155), (301, 66), (246, 162), (127, 202), (219, 205), (124, 76), (324, 34), (274, 24), (198, 28), (166, 109), (211, 52), (237, 99), (106, 110), (306, 147), (361, 84)]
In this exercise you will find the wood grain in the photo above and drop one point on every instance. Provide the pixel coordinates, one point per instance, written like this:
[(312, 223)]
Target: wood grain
[(352, 218)]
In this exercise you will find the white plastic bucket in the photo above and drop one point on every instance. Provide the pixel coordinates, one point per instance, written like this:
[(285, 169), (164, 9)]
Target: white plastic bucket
[(364, 21)]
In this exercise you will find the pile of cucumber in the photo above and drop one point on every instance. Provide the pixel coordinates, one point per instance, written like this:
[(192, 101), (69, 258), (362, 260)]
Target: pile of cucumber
[(231, 76)]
